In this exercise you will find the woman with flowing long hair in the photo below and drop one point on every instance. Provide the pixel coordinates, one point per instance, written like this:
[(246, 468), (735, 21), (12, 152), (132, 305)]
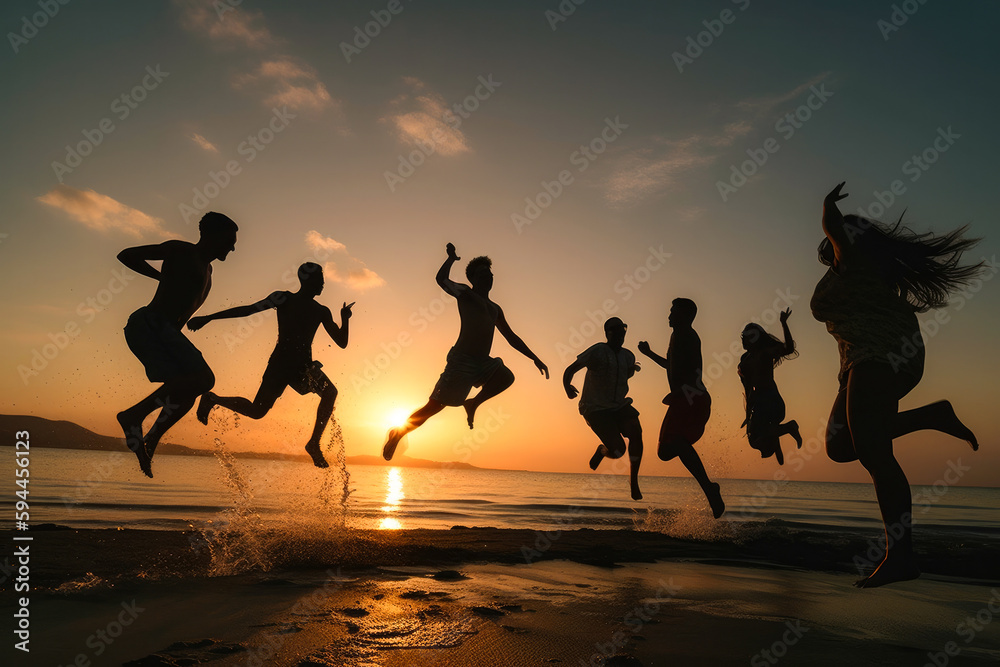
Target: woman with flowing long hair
[(880, 276), (765, 409)]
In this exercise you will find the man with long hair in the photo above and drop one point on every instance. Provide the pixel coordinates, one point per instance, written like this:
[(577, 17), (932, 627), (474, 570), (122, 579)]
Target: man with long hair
[(879, 278)]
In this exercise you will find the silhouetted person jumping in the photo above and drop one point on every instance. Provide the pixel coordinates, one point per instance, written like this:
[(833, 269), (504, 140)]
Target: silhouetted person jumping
[(764, 405), (469, 363), (879, 278), (604, 403), (291, 363), (688, 403), (153, 332)]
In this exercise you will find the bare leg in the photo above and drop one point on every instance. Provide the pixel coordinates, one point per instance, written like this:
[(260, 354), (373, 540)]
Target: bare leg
[(598, 456), (633, 431), (939, 416), (131, 422), (169, 415), (689, 457), (417, 419), (497, 383), (872, 404), (327, 398), (791, 427)]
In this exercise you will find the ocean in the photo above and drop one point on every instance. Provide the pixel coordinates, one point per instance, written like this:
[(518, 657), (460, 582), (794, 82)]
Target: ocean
[(85, 489)]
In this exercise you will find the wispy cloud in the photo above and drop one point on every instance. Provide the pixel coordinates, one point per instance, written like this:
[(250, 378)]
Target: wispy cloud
[(225, 25), (203, 143), (657, 167), (102, 213), (419, 117), (283, 82), (349, 270), (278, 80)]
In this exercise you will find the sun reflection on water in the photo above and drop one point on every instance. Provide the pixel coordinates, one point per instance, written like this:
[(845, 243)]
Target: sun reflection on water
[(393, 498)]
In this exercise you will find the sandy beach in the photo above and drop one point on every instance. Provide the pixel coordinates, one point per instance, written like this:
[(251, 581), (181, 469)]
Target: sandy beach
[(467, 596)]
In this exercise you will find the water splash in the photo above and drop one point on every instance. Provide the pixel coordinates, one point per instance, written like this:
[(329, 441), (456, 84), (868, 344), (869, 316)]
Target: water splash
[(336, 477), (234, 538)]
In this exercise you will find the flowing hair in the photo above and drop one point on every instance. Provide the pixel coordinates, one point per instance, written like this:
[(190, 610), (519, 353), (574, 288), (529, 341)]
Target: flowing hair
[(922, 268), (763, 338)]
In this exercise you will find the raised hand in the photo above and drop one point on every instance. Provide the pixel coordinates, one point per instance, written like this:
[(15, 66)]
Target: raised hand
[(345, 311), (644, 347), (196, 323), (835, 195), (450, 249), (785, 314)]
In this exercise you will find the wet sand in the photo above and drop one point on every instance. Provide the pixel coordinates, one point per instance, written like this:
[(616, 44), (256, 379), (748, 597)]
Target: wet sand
[(467, 597)]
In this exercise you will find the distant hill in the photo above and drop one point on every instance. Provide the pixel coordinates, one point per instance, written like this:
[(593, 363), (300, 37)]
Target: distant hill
[(46, 433)]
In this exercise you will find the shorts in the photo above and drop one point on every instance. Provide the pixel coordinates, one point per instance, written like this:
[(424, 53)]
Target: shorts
[(686, 418), (613, 420), (461, 373), (164, 351), (303, 377)]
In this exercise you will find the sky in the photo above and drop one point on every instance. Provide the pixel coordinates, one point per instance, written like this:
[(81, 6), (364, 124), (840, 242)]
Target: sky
[(608, 157)]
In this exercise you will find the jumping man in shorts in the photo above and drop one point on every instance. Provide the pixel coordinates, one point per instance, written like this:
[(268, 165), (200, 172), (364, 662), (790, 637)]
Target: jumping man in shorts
[(689, 404), (291, 364), (604, 404), (469, 362), (153, 332)]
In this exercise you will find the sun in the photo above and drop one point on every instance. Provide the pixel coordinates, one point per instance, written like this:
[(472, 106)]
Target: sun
[(396, 418)]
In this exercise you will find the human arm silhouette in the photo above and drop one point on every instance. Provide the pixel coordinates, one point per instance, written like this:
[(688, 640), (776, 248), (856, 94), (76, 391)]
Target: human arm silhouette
[(789, 346), (518, 344), (568, 374), (833, 224), (443, 276), (137, 257), (644, 348), (271, 301), (338, 334)]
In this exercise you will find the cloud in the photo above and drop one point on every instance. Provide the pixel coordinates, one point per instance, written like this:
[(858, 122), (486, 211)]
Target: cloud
[(225, 25), (419, 116), (102, 213), (283, 82), (657, 167), (349, 271), (203, 143), (278, 81)]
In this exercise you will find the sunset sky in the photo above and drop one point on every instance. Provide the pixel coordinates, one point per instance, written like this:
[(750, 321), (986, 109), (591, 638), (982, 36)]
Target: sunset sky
[(582, 152)]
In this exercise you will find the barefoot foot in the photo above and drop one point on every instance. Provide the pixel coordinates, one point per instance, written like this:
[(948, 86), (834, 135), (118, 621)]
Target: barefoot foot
[(794, 431), (891, 570), (598, 456), (470, 411), (205, 406), (636, 494), (953, 425), (317, 455), (132, 429), (715, 500), (392, 440)]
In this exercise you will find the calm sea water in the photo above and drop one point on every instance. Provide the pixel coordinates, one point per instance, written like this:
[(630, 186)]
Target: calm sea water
[(104, 490)]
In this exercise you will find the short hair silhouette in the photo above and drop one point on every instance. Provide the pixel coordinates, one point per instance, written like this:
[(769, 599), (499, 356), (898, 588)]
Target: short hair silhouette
[(685, 308), (614, 322), (309, 271), (214, 223), (475, 263)]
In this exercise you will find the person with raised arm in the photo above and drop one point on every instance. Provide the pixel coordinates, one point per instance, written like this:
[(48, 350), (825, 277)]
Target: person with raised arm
[(765, 409), (153, 332), (880, 276), (605, 404), (291, 363), (469, 362), (688, 403)]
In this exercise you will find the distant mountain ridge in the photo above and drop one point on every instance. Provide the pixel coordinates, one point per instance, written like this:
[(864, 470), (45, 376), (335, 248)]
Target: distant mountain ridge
[(61, 434)]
